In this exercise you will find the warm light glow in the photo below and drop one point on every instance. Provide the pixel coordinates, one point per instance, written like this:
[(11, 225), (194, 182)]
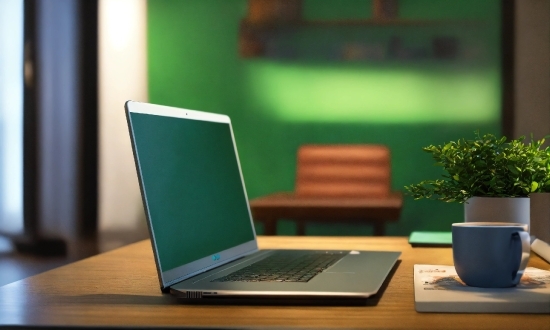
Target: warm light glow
[(384, 93), (120, 18), (122, 77)]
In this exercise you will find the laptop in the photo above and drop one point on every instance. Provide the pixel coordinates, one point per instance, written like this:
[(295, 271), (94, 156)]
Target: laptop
[(202, 232)]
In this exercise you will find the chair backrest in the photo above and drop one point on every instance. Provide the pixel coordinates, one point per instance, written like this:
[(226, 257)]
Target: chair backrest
[(334, 171)]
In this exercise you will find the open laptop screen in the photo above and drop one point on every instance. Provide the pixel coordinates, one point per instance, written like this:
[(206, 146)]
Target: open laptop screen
[(192, 186)]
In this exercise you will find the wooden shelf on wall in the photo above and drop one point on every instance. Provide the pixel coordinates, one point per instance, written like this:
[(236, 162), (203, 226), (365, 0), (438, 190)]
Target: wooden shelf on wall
[(265, 16), (269, 18)]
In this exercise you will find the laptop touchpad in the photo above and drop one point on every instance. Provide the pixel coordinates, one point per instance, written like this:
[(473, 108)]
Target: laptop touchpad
[(351, 263)]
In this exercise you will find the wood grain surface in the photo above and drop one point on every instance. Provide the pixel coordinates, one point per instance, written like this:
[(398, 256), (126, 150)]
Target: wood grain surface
[(121, 288)]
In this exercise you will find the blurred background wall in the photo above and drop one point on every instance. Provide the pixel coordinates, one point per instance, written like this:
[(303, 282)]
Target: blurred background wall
[(439, 72), (336, 84)]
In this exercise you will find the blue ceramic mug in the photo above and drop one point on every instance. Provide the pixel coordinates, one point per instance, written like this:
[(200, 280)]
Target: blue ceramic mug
[(490, 254)]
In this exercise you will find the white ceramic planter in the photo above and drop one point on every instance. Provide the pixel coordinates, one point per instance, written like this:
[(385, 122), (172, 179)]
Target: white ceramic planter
[(498, 209)]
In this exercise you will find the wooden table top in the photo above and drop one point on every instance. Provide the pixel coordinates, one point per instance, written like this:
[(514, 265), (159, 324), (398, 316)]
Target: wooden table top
[(120, 288)]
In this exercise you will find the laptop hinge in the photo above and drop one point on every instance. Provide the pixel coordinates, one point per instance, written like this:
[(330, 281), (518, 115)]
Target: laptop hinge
[(165, 289)]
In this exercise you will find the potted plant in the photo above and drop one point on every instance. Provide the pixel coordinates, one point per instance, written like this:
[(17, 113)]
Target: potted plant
[(493, 177)]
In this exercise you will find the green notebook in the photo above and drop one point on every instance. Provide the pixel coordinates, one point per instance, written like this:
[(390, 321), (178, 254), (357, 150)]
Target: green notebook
[(430, 238)]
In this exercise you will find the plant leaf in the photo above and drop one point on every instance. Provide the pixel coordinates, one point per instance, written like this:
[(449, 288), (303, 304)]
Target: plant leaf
[(486, 166)]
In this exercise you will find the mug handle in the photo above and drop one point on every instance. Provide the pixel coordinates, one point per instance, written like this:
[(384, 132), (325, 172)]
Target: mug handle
[(525, 253)]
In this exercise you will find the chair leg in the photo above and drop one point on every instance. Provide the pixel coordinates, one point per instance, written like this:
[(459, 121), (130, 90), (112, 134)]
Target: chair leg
[(301, 228), (379, 228), (270, 227)]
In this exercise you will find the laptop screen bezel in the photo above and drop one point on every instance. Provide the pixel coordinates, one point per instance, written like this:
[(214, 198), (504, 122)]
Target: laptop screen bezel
[(184, 271)]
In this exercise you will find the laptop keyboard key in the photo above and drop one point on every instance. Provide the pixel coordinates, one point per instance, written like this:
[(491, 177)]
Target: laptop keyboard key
[(284, 266)]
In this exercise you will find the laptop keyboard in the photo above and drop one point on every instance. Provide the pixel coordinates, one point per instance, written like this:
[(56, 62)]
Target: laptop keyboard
[(284, 266)]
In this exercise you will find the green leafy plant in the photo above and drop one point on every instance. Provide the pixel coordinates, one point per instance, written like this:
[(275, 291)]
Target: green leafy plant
[(486, 166)]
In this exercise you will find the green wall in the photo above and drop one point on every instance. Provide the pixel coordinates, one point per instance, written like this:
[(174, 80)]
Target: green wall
[(405, 100)]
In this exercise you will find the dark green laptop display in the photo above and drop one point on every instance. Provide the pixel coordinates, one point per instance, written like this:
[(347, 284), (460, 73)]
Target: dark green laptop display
[(199, 155)]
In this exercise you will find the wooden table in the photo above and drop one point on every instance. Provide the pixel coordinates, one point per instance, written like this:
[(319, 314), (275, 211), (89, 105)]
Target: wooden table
[(120, 288), (375, 211)]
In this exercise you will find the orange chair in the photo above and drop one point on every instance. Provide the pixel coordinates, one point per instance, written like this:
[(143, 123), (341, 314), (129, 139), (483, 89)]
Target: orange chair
[(335, 183)]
